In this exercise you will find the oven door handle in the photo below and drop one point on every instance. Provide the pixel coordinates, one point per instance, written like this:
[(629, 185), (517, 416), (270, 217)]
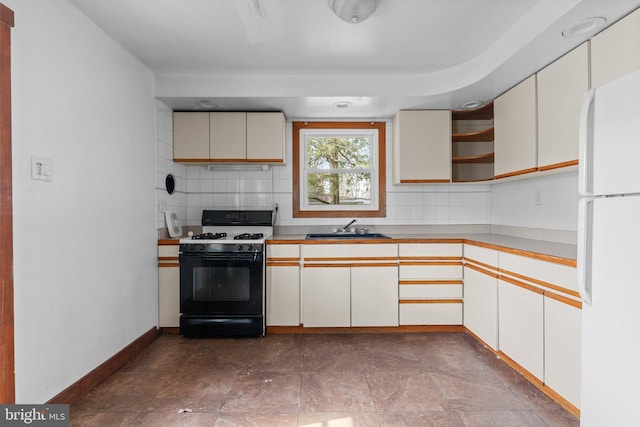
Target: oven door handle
[(249, 256)]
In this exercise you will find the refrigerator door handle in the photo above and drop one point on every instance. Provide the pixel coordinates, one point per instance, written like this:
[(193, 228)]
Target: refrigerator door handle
[(585, 229), (585, 145)]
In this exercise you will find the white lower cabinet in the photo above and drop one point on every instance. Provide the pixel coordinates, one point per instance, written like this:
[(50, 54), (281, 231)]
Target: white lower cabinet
[(481, 304), (521, 326), (326, 296), (169, 296), (283, 285), (562, 344), (374, 292), (430, 283), (350, 285), (168, 285)]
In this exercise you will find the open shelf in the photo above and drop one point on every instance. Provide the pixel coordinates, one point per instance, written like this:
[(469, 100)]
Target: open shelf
[(481, 158), (484, 135), (472, 144)]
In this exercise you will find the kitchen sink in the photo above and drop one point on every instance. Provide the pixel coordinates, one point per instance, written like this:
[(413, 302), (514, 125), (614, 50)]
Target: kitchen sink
[(340, 236)]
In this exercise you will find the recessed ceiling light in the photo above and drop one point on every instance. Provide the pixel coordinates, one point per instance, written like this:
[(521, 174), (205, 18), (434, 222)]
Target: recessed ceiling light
[(203, 103), (471, 104), (586, 26), (342, 104)]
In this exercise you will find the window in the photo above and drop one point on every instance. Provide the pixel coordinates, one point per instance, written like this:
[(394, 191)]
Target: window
[(339, 169)]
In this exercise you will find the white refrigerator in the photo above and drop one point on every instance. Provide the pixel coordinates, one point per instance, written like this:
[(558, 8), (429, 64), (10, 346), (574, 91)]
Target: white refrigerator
[(609, 254)]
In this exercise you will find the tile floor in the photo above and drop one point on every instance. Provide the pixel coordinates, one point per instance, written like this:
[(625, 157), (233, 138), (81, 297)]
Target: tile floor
[(431, 379)]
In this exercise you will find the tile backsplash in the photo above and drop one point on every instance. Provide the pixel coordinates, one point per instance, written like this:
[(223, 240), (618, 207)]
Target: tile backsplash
[(199, 188)]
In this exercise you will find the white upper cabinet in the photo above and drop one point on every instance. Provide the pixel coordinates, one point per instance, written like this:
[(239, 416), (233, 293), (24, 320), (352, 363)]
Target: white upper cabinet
[(229, 137), (516, 130), (561, 89), (190, 136), (422, 146), (616, 50), (265, 137)]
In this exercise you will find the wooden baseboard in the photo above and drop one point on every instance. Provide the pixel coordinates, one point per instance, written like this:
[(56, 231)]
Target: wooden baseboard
[(84, 385), (365, 330), (170, 330)]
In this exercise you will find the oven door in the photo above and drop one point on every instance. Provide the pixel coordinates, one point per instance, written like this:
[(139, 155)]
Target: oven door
[(222, 283)]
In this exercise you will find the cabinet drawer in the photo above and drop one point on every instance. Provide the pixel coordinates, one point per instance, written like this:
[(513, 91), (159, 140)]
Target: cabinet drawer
[(350, 252), (482, 255), (444, 270), (283, 251), (168, 251), (427, 291), (430, 250), (431, 313), (559, 275)]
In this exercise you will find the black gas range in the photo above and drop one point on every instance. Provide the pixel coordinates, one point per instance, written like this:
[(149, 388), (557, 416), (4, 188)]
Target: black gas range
[(222, 274)]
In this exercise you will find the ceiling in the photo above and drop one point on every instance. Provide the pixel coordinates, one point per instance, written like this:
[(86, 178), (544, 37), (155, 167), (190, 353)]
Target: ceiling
[(298, 57)]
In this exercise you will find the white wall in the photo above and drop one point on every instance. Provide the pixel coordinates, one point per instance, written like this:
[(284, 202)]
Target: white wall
[(406, 204), (85, 261), (515, 203)]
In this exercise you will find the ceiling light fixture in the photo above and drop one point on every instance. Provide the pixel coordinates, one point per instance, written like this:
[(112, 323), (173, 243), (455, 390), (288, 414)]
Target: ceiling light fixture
[(342, 104), (471, 105), (586, 26), (353, 11), (203, 103)]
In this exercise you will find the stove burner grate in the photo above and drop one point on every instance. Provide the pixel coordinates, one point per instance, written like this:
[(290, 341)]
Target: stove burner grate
[(249, 236), (209, 236)]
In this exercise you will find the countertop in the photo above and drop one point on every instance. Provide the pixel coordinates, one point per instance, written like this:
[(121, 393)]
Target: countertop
[(561, 253)]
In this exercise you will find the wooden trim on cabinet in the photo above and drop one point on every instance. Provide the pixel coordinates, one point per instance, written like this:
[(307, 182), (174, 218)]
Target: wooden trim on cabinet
[(523, 285), (375, 264), (84, 385), (168, 242), (7, 337), (282, 264), (483, 271), (402, 329), (425, 181), (538, 282), (168, 264), (518, 368), (563, 299), (558, 165), (429, 264), (516, 173), (430, 258), (430, 301), (479, 263), (283, 259), (168, 258), (326, 265), (430, 282), (347, 259)]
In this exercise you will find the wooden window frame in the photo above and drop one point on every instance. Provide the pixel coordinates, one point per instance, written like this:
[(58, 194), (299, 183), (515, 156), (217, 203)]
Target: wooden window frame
[(381, 171)]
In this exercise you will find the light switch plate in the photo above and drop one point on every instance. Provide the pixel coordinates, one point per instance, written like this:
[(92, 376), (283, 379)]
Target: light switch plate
[(41, 169)]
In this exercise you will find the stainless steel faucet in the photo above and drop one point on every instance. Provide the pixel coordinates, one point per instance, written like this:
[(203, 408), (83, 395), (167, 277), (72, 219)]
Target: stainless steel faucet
[(346, 227)]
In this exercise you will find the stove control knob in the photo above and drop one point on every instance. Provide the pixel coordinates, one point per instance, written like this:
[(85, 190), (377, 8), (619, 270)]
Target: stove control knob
[(201, 247), (239, 248)]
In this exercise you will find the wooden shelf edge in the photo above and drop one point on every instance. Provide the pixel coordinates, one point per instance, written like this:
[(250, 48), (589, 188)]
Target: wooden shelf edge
[(484, 135), (481, 113), (481, 158)]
